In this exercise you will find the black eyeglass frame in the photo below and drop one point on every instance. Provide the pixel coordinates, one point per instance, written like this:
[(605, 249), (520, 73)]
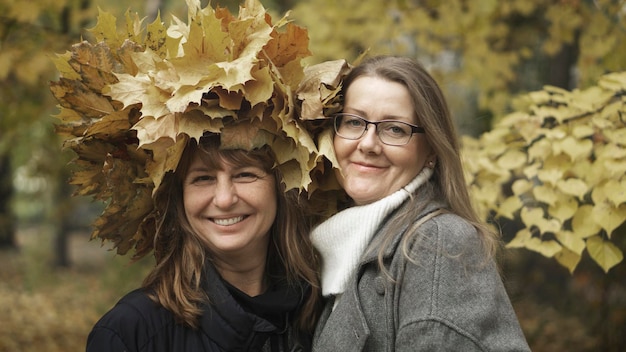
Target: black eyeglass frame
[(337, 117)]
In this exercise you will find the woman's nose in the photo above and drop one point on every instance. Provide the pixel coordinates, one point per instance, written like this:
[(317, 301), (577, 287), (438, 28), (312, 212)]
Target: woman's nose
[(225, 193), (369, 142)]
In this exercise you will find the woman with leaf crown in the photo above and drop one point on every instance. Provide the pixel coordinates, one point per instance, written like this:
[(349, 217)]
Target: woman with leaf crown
[(189, 135)]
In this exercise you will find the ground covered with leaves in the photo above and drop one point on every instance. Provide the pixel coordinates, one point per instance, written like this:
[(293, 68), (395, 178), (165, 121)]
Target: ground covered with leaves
[(48, 309)]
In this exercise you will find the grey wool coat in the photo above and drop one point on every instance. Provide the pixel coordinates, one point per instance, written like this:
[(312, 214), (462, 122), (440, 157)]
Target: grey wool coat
[(451, 299)]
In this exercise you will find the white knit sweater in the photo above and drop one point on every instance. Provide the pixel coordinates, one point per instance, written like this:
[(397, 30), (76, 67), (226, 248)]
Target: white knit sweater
[(342, 239)]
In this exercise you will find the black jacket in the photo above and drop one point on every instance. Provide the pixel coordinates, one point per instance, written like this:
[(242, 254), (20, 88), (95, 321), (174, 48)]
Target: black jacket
[(138, 324)]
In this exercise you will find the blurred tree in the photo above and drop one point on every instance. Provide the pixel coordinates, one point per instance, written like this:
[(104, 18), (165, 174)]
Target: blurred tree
[(29, 33), (20, 73)]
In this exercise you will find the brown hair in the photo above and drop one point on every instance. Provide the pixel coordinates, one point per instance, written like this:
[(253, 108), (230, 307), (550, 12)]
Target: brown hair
[(176, 280), (431, 109)]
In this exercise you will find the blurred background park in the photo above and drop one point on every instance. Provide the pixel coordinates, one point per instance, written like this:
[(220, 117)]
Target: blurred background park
[(505, 65)]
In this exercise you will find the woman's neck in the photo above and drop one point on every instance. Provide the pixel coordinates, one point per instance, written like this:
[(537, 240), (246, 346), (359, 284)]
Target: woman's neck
[(249, 278)]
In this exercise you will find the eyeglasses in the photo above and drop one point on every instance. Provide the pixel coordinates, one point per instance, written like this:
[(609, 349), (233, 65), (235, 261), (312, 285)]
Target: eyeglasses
[(390, 132)]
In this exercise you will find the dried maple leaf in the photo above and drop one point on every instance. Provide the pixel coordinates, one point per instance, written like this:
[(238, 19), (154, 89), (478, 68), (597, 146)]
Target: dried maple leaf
[(321, 83)]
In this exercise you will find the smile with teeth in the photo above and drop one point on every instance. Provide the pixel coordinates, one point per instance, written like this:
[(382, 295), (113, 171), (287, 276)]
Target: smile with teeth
[(229, 221)]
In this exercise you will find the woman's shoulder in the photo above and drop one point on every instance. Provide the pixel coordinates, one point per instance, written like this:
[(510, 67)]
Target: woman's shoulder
[(136, 304), (134, 317), (452, 229), (452, 237)]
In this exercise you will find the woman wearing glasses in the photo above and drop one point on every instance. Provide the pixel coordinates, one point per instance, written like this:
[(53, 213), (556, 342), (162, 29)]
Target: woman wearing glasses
[(408, 266)]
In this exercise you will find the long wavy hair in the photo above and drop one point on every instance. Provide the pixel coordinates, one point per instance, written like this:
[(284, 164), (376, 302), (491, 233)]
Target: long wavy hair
[(176, 280), (448, 181)]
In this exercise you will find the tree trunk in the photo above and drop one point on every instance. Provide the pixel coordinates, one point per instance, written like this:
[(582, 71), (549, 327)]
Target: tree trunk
[(561, 66), (62, 221), (7, 218)]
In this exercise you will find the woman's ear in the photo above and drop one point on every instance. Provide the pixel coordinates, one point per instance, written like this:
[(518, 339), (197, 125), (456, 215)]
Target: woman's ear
[(431, 162)]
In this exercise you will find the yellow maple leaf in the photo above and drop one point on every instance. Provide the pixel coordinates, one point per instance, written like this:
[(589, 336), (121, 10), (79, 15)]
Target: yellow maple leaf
[(61, 62), (106, 29), (150, 129), (76, 95), (289, 46), (195, 123), (166, 155), (156, 36), (244, 135), (259, 89), (109, 126)]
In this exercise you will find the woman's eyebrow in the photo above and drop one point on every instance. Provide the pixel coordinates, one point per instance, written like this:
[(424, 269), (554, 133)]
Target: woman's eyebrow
[(198, 169)]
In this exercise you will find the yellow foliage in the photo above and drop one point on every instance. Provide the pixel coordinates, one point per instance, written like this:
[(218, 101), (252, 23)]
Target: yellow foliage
[(565, 156), (132, 100)]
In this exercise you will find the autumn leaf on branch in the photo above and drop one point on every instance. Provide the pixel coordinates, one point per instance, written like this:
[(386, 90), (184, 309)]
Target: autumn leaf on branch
[(558, 165)]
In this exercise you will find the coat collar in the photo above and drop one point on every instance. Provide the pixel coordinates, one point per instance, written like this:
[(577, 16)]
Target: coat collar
[(371, 253)]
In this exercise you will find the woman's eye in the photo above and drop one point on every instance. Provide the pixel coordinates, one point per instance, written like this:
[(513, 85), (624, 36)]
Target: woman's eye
[(203, 179), (245, 177), (396, 130), (352, 122)]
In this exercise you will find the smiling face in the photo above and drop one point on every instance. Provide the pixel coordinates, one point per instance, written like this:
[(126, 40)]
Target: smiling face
[(371, 170), (232, 208)]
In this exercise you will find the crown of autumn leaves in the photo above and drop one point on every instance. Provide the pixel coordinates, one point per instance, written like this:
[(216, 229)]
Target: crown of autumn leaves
[(131, 102)]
